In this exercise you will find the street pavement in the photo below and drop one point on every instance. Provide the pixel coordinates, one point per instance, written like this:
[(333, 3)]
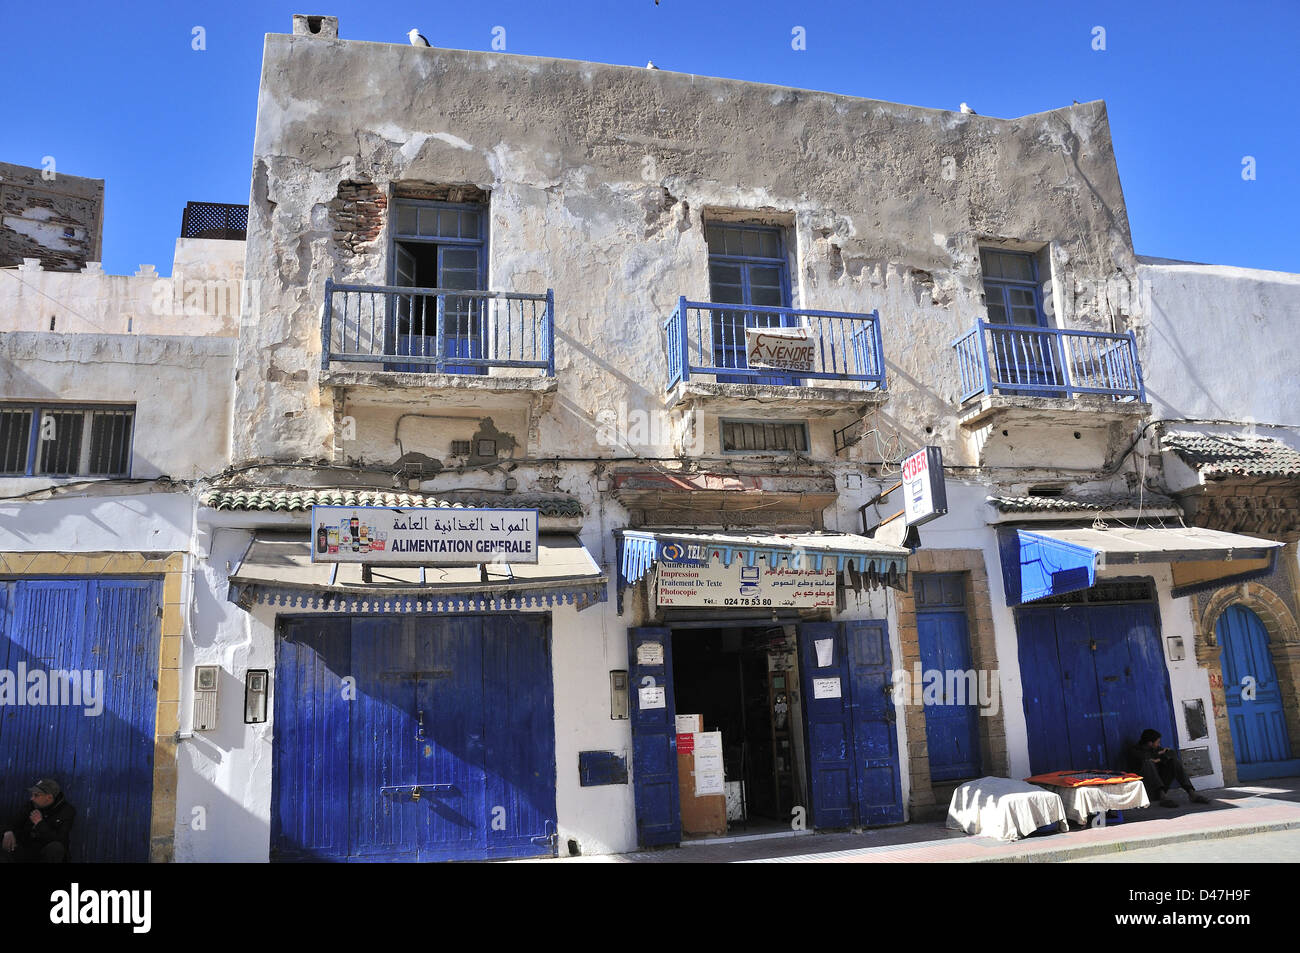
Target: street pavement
[(1256, 810)]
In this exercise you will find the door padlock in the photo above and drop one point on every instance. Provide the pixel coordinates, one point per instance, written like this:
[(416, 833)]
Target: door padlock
[(415, 793)]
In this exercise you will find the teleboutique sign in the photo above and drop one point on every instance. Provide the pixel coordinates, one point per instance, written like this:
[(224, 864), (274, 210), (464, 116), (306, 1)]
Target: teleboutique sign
[(422, 536)]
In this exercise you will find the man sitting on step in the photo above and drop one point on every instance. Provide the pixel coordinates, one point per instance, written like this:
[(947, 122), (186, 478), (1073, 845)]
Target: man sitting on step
[(1160, 768)]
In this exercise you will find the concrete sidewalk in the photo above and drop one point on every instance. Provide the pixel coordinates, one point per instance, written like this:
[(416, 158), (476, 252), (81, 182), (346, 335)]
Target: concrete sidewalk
[(1246, 809)]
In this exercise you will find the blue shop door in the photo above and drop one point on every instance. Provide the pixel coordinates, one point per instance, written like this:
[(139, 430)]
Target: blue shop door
[(441, 748), (850, 722), (519, 737), (951, 727), (103, 761), (652, 710), (1258, 724), (1094, 678), (874, 719)]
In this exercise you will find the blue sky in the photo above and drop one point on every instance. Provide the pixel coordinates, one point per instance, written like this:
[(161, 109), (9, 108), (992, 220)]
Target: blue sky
[(115, 91)]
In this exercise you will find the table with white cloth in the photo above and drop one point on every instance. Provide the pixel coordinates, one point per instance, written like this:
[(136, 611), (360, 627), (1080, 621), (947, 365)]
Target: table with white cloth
[(1005, 809), (1084, 800)]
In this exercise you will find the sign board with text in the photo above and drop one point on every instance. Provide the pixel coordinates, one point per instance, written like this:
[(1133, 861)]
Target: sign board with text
[(692, 582), (422, 536), (788, 348), (924, 495)]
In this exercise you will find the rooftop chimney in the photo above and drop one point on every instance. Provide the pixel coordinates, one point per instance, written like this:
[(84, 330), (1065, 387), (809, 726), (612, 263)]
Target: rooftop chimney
[(327, 28)]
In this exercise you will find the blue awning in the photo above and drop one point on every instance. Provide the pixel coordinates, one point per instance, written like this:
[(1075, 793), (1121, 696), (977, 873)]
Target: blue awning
[(1051, 562)]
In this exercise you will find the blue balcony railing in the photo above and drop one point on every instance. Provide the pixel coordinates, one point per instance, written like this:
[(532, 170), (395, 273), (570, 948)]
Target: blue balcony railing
[(438, 330), (1048, 362), (710, 339)]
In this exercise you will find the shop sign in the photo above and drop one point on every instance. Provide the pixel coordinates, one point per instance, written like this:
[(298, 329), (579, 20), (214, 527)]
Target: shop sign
[(422, 536), (924, 495), (719, 586)]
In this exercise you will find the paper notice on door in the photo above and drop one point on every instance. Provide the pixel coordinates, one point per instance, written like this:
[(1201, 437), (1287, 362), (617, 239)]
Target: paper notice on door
[(650, 653), (653, 698), (825, 688), (688, 724), (825, 652)]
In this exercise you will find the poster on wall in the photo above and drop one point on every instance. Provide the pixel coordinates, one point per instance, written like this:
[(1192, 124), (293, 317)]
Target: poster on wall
[(422, 536), (695, 583)]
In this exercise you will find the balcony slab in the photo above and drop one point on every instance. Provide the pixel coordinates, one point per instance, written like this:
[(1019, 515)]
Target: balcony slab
[(1082, 412), (778, 401)]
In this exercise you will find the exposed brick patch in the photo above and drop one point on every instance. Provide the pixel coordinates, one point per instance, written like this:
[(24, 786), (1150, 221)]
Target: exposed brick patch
[(357, 214)]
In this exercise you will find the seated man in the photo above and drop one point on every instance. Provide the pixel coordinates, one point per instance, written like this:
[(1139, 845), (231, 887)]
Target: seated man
[(39, 833), (1160, 768)]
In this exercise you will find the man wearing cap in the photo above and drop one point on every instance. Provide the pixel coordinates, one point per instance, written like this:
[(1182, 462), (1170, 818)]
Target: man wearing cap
[(39, 833)]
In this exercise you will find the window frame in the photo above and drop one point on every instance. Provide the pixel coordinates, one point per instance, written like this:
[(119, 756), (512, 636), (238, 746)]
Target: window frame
[(87, 410), (723, 422), (396, 235), (1005, 285)]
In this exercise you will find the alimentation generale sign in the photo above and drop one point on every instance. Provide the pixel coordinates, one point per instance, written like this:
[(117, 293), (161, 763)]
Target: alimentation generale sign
[(422, 536)]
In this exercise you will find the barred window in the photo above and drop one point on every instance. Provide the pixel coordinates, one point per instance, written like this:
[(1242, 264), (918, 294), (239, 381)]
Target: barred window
[(63, 440), (760, 436)]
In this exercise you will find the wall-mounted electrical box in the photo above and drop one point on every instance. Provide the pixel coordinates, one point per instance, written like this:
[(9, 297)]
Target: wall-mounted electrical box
[(257, 684), (618, 694), (205, 697)]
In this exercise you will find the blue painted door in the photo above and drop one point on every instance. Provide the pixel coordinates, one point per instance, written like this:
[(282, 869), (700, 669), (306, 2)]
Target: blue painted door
[(951, 724), (652, 710), (875, 736), (850, 723), (101, 750), (414, 738), (1258, 723), (1094, 678)]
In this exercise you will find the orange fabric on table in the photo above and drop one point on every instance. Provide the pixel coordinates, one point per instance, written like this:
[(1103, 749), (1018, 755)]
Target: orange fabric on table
[(1072, 779)]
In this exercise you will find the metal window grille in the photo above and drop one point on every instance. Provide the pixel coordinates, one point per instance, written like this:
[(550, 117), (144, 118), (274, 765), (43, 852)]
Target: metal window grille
[(15, 437), (1119, 590), (214, 220), (740, 436), (66, 441)]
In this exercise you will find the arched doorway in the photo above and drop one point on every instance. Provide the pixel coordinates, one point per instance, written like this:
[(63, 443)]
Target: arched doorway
[(1254, 697)]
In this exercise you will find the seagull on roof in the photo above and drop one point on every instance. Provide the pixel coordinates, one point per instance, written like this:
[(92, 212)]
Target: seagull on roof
[(651, 65), (417, 38), (968, 111)]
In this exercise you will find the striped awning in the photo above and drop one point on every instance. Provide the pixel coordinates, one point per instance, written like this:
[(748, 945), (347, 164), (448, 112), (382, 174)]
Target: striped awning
[(639, 550)]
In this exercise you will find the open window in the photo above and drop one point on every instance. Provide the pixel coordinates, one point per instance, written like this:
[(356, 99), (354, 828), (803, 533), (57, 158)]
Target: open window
[(440, 249)]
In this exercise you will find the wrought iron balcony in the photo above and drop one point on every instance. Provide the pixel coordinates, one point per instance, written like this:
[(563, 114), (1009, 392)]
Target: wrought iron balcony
[(438, 330), (1048, 362), (710, 339)]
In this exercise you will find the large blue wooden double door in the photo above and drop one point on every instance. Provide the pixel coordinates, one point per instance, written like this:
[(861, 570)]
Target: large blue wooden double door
[(91, 727), (1094, 679), (1254, 696), (414, 739)]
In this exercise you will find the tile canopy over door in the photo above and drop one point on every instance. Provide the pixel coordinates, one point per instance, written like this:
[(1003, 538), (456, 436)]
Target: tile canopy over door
[(442, 749), (101, 751), (1256, 716)]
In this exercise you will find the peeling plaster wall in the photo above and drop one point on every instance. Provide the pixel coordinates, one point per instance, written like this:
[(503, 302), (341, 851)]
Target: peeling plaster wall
[(49, 215), (599, 177)]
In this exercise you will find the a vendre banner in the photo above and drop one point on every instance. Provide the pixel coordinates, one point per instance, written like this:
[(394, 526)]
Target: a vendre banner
[(790, 349)]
